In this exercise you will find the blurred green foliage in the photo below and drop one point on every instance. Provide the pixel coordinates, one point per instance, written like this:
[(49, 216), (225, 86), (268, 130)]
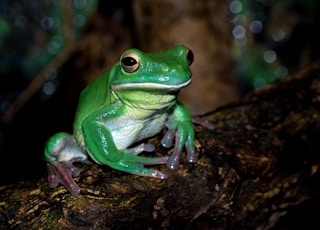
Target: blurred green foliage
[(4, 28), (37, 31), (273, 38)]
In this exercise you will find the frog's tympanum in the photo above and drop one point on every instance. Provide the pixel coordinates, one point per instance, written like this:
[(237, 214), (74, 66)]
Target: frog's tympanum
[(132, 101)]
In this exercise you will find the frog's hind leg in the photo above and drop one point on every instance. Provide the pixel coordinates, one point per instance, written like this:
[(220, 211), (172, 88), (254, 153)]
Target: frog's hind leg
[(60, 153)]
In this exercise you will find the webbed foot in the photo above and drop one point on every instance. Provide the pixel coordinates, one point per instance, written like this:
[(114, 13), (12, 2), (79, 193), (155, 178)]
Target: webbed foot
[(174, 160), (133, 164), (60, 153), (63, 173), (130, 162), (183, 134)]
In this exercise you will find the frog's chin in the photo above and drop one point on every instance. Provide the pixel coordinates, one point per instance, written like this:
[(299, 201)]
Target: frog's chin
[(151, 86)]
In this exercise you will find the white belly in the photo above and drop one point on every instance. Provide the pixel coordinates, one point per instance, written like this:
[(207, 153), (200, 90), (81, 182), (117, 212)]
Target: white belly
[(131, 131)]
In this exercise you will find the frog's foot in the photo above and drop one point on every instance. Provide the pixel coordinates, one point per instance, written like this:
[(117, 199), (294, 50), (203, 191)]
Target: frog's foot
[(200, 121), (63, 173), (141, 148), (167, 141), (135, 165), (60, 153), (183, 135), (174, 160)]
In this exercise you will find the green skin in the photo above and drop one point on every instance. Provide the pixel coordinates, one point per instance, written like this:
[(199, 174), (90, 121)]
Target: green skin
[(132, 101)]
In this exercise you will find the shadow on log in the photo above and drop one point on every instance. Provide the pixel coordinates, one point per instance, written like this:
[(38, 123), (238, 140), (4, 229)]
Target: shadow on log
[(261, 160)]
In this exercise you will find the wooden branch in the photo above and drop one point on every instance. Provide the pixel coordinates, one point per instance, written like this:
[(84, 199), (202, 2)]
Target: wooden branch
[(262, 159)]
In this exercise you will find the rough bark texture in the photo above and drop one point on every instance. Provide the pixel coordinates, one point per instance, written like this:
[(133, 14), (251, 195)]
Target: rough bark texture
[(262, 159)]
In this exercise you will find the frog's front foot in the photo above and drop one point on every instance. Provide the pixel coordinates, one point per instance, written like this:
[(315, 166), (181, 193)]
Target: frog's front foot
[(183, 136), (131, 163), (183, 133), (60, 153)]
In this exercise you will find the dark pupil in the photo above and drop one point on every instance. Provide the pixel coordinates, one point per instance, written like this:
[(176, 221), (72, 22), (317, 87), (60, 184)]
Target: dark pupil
[(190, 56), (129, 61)]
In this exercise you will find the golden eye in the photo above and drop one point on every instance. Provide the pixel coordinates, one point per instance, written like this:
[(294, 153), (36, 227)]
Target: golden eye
[(130, 62), (190, 56)]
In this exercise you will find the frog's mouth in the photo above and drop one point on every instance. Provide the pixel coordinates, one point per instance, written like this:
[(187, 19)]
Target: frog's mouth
[(147, 86)]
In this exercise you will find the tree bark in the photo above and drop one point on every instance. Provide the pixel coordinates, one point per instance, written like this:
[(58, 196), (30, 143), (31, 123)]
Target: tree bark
[(261, 159)]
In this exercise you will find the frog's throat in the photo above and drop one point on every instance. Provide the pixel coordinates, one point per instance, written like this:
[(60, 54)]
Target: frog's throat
[(151, 86)]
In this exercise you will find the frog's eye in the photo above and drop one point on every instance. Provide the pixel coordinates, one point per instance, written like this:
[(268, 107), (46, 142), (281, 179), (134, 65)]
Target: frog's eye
[(190, 56), (130, 62)]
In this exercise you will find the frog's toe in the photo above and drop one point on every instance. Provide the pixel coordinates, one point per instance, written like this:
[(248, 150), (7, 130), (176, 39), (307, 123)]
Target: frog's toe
[(141, 148), (139, 169), (63, 173), (151, 173), (200, 121), (144, 160), (53, 177), (135, 165), (173, 162), (167, 140), (191, 155)]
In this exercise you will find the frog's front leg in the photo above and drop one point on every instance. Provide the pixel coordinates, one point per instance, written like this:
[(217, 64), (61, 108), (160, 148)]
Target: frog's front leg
[(181, 129), (101, 147), (60, 153)]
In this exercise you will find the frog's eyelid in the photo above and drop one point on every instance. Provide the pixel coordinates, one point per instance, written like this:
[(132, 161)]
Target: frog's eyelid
[(130, 62)]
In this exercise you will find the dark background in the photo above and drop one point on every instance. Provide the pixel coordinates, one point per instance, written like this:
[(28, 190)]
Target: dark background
[(23, 138)]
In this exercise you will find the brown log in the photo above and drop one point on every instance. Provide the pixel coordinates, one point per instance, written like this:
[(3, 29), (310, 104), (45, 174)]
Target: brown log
[(261, 159)]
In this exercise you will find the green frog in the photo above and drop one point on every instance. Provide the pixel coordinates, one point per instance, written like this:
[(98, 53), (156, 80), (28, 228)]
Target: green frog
[(134, 100)]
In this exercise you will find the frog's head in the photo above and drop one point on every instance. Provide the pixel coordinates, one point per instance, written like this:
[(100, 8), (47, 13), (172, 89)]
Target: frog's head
[(152, 77), (161, 70)]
